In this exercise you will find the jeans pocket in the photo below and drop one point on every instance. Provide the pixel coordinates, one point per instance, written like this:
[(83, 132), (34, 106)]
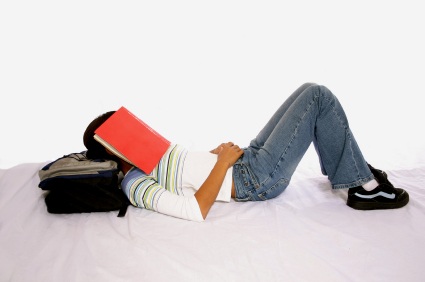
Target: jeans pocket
[(246, 183), (269, 192)]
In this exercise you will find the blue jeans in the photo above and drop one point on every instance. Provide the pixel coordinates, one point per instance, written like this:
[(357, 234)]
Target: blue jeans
[(311, 114)]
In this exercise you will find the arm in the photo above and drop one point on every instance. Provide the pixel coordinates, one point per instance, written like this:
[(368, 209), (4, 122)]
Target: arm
[(145, 192), (227, 155)]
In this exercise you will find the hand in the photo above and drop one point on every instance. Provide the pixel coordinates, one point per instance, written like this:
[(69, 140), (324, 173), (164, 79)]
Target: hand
[(216, 150), (227, 155), (219, 147), (228, 152)]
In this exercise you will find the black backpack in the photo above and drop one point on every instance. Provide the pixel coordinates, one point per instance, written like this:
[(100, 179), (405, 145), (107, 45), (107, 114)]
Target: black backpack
[(76, 184)]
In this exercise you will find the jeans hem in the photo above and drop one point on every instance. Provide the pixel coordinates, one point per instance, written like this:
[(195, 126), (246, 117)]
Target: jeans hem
[(353, 184)]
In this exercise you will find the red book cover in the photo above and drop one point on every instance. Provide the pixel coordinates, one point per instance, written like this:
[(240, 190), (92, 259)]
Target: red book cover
[(128, 137)]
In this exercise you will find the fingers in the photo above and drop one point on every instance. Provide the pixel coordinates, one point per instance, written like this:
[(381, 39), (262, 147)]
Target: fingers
[(222, 146), (229, 153), (228, 144), (235, 147)]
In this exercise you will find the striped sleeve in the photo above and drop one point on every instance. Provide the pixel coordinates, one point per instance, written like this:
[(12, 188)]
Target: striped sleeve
[(144, 191)]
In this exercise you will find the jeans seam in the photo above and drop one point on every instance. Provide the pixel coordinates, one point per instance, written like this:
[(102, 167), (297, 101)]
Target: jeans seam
[(295, 132), (348, 134)]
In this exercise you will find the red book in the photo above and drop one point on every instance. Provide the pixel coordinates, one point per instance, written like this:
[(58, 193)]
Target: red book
[(131, 139)]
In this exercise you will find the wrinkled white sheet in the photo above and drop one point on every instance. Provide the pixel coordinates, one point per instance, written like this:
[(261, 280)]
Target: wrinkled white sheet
[(306, 234)]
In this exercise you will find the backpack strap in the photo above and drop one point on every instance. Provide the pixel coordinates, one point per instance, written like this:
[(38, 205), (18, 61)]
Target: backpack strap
[(123, 209)]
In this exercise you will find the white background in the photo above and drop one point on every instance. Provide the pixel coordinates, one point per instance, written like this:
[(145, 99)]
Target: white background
[(206, 72)]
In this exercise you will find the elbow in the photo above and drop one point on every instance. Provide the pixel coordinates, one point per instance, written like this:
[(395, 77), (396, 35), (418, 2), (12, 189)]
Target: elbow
[(204, 212), (203, 206)]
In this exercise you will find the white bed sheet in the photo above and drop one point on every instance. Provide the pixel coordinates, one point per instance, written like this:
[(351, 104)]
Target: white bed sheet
[(306, 234)]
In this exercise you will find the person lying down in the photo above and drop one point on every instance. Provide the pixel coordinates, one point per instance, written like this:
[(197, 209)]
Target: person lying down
[(186, 184)]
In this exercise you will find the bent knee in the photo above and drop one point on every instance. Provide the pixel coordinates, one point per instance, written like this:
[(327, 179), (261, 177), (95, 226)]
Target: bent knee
[(320, 91)]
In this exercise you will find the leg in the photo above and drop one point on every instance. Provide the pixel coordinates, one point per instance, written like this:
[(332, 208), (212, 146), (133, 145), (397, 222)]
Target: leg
[(264, 134), (313, 115)]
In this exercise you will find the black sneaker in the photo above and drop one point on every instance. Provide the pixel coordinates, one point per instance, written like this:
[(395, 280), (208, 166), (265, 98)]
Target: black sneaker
[(385, 196), (382, 197), (380, 175)]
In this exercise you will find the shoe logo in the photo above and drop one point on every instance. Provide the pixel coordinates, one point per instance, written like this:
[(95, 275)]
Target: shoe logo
[(383, 194)]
